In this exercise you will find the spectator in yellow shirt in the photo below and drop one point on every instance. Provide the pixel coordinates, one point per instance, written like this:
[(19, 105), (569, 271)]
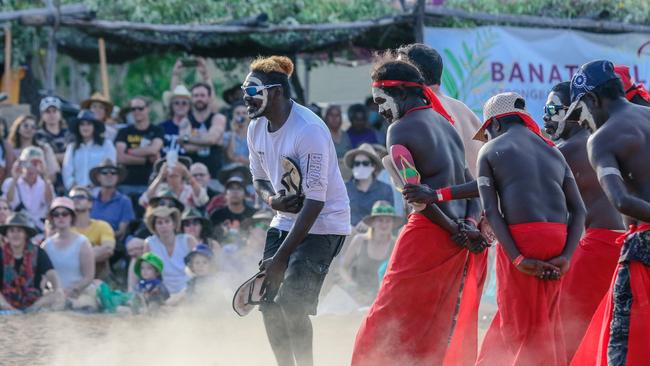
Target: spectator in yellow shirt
[(99, 232)]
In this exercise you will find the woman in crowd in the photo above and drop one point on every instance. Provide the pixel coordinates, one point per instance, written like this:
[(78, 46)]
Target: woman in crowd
[(102, 108), (89, 149), (23, 134), (5, 210), (368, 251), (72, 256), (52, 129), (171, 246), (334, 121), (26, 269), (7, 156), (198, 226), (177, 179), (235, 139)]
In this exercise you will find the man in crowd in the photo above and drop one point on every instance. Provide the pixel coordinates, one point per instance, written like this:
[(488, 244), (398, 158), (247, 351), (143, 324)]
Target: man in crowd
[(109, 204), (202, 175), (595, 259), (360, 131), (99, 233), (29, 189), (310, 225), (532, 202), (414, 313), (203, 142), (229, 219), (618, 151), (138, 147), (179, 108)]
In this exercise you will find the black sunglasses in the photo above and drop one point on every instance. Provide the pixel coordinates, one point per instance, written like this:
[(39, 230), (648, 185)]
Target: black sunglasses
[(362, 163), (553, 109), (191, 222), (60, 214), (108, 172), (138, 108)]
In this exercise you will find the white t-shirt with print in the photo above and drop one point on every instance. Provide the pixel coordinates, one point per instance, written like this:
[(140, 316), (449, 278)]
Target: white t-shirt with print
[(305, 139)]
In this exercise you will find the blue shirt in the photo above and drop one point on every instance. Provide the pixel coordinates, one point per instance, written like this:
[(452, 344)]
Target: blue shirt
[(170, 139), (117, 210), (361, 202)]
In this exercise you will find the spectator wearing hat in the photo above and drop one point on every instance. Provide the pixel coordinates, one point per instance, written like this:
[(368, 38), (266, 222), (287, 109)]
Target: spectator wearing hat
[(175, 177), (102, 107), (109, 204), (230, 220), (360, 131), (138, 148), (29, 189), (98, 232), (364, 189), (52, 129), (200, 262), (179, 103), (72, 256), (151, 290), (169, 245), (368, 251), (7, 156), (195, 224), (334, 121), (23, 135), (229, 171), (89, 149), (24, 267), (235, 140)]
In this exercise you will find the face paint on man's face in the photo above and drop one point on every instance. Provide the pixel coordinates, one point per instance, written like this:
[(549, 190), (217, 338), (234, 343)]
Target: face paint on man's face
[(255, 105), (586, 119), (387, 106)]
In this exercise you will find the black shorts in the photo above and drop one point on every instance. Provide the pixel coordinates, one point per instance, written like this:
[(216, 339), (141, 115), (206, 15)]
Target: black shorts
[(306, 271)]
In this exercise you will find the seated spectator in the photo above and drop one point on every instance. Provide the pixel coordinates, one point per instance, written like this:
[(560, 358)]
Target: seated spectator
[(235, 259), (179, 106), (177, 179), (231, 220), (26, 269), (52, 129), (368, 251), (235, 140), (197, 225), (110, 205), (98, 232), (170, 246), (72, 256), (200, 262), (360, 131), (7, 156), (334, 121), (23, 135), (151, 291), (138, 148), (29, 189), (89, 149), (230, 171), (103, 109), (201, 173), (364, 189), (5, 210)]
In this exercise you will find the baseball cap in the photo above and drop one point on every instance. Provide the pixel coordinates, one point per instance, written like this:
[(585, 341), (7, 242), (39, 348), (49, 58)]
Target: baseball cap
[(589, 76), (48, 102)]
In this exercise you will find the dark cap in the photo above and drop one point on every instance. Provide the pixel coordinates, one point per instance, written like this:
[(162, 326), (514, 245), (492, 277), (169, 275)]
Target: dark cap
[(589, 76), (236, 180)]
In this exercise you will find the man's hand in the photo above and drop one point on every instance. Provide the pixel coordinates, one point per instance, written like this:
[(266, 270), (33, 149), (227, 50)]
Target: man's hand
[(274, 268), (562, 263), (541, 269), (291, 203), (468, 236), (419, 193)]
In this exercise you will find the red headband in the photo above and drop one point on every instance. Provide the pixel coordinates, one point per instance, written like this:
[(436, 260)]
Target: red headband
[(528, 122), (434, 102)]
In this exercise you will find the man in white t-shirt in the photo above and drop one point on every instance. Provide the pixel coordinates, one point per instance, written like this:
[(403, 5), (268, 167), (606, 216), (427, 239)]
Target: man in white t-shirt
[(311, 222)]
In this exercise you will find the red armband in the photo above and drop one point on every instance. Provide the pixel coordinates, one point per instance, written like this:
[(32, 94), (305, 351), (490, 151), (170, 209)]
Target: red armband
[(518, 260), (444, 194)]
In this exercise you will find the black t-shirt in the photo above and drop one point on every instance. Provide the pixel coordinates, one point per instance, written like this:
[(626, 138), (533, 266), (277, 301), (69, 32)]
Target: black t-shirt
[(43, 264), (211, 156), (58, 142), (134, 138), (225, 216)]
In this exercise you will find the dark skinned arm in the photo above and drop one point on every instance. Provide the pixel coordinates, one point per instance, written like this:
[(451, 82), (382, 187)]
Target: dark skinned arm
[(422, 193)]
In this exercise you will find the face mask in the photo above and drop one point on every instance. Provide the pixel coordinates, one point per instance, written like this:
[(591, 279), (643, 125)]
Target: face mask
[(388, 107), (362, 172)]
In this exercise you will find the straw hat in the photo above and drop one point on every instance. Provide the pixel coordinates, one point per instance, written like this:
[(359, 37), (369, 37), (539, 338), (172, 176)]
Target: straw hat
[(192, 213), (107, 163), (180, 91), (19, 220), (382, 209), (98, 97), (150, 258), (161, 211), (364, 149)]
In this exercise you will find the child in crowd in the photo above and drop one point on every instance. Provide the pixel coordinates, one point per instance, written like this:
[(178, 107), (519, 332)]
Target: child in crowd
[(203, 269), (150, 293)]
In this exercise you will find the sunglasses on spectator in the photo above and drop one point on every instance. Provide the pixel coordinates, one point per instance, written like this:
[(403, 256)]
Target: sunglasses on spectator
[(363, 163), (167, 202), (192, 222), (108, 172), (28, 126), (198, 175), (181, 102), (60, 214), (552, 109), (79, 197), (252, 91), (140, 109)]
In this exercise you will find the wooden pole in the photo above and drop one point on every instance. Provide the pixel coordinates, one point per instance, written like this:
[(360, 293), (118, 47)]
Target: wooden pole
[(6, 83), (50, 59), (419, 22), (104, 69)]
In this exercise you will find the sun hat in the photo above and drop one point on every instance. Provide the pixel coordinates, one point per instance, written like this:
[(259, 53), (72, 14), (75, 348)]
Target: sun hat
[(20, 220), (87, 115), (192, 214), (382, 209), (107, 164), (364, 149), (200, 249), (180, 91), (165, 192), (150, 258), (98, 97), (62, 202), (161, 211)]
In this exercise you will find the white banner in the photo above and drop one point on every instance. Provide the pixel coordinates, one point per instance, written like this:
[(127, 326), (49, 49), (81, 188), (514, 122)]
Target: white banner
[(480, 62)]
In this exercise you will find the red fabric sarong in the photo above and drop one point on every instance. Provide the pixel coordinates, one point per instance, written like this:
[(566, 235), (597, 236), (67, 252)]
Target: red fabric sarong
[(596, 347), (526, 329), (587, 281), (411, 320)]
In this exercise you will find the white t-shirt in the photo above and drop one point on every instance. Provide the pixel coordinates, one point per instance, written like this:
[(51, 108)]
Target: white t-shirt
[(305, 139)]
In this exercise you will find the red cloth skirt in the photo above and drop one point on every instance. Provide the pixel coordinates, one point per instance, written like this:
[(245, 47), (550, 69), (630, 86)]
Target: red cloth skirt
[(583, 287), (526, 329), (619, 332), (416, 315)]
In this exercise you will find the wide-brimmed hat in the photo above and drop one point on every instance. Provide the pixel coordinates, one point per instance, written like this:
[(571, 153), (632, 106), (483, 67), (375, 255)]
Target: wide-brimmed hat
[(20, 220), (98, 97), (180, 91), (192, 213), (230, 169), (161, 211), (382, 209), (165, 192), (87, 115), (62, 202), (364, 149), (200, 249), (108, 164), (150, 258), (181, 159)]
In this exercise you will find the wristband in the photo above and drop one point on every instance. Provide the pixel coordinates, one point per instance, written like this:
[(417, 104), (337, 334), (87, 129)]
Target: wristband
[(444, 194), (518, 260)]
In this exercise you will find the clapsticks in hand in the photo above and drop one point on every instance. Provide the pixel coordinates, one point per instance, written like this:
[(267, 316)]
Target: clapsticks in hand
[(402, 168)]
